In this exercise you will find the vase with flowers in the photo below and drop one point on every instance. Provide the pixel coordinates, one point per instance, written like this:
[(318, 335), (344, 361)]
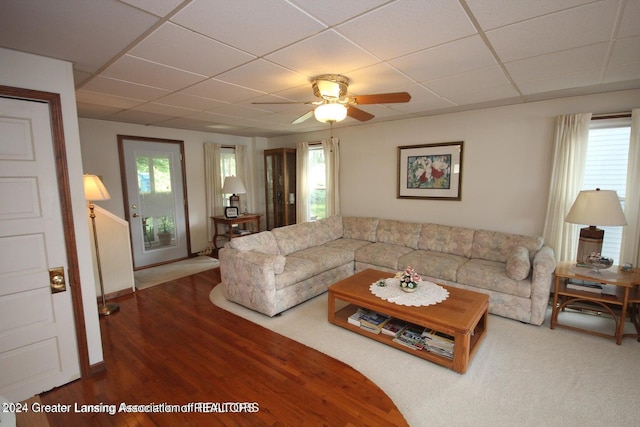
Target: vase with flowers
[(408, 279)]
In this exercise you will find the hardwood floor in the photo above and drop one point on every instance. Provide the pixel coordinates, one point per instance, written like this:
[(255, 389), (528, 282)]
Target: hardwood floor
[(170, 345)]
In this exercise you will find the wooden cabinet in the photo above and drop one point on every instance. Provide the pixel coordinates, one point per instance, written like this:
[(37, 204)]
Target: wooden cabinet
[(280, 187)]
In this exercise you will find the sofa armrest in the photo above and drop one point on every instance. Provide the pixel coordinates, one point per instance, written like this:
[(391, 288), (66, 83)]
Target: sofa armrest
[(248, 278), (544, 264)]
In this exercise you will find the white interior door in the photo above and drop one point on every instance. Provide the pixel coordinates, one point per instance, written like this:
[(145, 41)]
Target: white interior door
[(156, 201), (38, 348)]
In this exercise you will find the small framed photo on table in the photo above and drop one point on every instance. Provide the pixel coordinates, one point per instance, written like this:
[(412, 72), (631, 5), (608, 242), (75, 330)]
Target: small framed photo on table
[(231, 212)]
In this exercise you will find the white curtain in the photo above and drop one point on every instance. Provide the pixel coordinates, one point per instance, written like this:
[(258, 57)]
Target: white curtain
[(212, 183), (331, 148), (569, 156), (302, 190), (631, 233)]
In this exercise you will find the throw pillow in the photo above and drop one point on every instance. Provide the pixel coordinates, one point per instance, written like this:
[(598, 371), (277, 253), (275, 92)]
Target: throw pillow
[(518, 263)]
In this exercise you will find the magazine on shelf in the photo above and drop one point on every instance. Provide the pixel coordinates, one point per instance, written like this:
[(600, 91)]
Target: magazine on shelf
[(393, 326), (585, 285), (374, 320), (354, 319), (411, 336)]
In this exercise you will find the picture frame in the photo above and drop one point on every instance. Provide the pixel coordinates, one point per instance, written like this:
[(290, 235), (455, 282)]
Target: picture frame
[(430, 171), (231, 212)]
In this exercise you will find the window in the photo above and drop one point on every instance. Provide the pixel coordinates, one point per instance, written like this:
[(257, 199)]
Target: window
[(227, 166), (606, 168), (317, 188)]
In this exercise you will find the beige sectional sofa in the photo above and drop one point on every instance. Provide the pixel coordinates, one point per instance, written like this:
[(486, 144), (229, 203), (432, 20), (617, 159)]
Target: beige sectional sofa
[(274, 270)]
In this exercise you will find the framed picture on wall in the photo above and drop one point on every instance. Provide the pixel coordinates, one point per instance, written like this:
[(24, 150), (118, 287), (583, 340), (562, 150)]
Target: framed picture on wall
[(430, 171)]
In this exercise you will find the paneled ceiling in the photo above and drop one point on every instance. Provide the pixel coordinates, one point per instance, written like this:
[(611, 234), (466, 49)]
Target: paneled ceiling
[(200, 64)]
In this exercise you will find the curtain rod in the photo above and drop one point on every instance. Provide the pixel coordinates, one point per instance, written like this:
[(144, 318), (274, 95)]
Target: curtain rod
[(605, 116)]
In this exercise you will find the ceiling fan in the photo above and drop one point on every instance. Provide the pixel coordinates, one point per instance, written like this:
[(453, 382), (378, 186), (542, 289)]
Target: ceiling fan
[(334, 104)]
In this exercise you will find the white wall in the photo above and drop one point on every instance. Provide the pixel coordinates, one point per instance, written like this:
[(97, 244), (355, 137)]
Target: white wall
[(34, 72), (506, 163), (100, 157)]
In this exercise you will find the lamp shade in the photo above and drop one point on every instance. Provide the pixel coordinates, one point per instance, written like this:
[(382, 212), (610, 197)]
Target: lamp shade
[(597, 207), (330, 112), (94, 189), (233, 185)]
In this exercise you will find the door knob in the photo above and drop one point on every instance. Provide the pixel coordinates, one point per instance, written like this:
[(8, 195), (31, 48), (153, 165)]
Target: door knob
[(135, 215)]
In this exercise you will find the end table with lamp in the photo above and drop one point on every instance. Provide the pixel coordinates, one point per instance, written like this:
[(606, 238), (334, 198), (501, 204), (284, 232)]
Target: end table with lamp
[(229, 223)]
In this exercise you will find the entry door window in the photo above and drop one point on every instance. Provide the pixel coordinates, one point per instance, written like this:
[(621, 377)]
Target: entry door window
[(156, 198)]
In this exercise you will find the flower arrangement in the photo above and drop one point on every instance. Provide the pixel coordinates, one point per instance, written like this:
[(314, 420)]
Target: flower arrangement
[(408, 279)]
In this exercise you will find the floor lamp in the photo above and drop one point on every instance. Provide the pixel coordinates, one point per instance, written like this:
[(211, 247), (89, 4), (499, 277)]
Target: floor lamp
[(94, 190)]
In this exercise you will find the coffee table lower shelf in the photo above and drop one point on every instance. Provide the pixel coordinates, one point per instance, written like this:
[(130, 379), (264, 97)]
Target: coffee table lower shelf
[(464, 349)]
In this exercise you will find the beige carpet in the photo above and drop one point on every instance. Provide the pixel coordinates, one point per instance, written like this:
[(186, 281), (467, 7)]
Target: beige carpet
[(164, 273), (522, 375)]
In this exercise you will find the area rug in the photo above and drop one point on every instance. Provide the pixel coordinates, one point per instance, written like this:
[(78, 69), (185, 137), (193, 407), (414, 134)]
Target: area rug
[(175, 270), (522, 374)]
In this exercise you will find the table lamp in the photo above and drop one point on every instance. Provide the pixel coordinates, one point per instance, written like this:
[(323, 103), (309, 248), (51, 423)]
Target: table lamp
[(597, 207), (234, 186), (94, 190)]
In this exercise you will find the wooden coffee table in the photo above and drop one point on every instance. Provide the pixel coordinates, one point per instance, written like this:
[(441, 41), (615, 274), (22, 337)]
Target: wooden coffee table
[(463, 315)]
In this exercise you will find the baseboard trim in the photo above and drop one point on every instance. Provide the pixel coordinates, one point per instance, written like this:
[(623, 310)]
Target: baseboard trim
[(97, 368)]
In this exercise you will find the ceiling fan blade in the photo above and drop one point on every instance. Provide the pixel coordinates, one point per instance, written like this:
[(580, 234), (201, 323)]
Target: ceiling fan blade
[(359, 114), (382, 98), (303, 117)]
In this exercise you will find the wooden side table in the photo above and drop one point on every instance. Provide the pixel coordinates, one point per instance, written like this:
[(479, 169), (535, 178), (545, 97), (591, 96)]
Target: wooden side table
[(626, 296), (230, 222)]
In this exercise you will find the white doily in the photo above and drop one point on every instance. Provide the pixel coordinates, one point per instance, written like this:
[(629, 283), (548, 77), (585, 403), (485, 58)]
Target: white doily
[(427, 293)]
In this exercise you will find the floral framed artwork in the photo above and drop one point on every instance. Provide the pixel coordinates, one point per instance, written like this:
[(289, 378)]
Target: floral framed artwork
[(430, 171)]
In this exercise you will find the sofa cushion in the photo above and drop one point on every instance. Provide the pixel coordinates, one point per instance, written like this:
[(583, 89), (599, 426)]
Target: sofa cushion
[(327, 229), (447, 239), (382, 254), (518, 263), (492, 276), (296, 270), (347, 244), (433, 264), (497, 246), (263, 242), (296, 237), (399, 233), (325, 257), (359, 228)]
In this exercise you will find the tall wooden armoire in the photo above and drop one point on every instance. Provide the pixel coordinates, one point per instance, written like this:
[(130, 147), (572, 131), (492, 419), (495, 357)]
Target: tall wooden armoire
[(280, 186)]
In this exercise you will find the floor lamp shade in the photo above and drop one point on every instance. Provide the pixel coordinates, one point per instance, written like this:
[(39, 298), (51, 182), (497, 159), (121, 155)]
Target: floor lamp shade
[(234, 186), (95, 190), (595, 208)]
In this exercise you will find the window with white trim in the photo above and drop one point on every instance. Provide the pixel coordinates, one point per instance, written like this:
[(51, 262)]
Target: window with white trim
[(317, 184), (606, 168)]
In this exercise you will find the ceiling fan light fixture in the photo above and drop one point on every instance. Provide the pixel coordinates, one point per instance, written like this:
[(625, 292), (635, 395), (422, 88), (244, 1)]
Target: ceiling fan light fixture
[(330, 112)]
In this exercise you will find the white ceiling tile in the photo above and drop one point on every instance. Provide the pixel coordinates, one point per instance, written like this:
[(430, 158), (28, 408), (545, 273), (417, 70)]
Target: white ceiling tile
[(167, 46), (221, 91), (86, 36), (497, 13), (404, 27), (333, 12), (157, 7), (124, 89), (139, 117), (263, 76), (620, 73), (558, 63), (475, 86), (456, 57), (325, 53), (257, 27), (192, 102), (565, 81), (137, 70), (379, 78), (581, 26), (95, 111), (88, 97), (630, 24), (625, 51), (164, 109)]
